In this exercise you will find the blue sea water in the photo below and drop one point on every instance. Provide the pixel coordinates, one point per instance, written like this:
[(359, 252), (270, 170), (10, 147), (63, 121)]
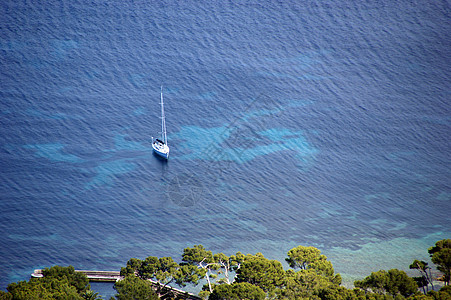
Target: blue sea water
[(316, 123)]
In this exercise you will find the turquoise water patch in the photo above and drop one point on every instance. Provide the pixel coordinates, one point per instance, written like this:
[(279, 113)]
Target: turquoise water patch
[(400, 154), (263, 112), (140, 111), (200, 142), (63, 116), (294, 103), (107, 172), (170, 90), (288, 76), (238, 206), (301, 66), (378, 255), (251, 225), (441, 120), (375, 197), (121, 143), (285, 139), (211, 144), (443, 196), (384, 224), (273, 108), (54, 152), (276, 140), (111, 252), (44, 238), (138, 80), (62, 47), (34, 113), (208, 95), (12, 45)]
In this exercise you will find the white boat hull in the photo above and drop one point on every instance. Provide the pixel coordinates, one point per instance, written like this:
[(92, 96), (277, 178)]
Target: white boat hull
[(161, 149)]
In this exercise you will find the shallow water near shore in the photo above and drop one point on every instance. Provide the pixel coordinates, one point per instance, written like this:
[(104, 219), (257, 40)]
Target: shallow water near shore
[(318, 124)]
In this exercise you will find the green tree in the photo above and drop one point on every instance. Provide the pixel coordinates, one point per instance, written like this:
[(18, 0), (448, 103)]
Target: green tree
[(421, 282), (68, 274), (132, 287), (58, 283), (188, 274), (393, 282), (215, 266), (441, 256), (43, 288), (203, 259), (423, 267), (237, 291), (163, 271), (304, 258), (443, 294), (304, 284), (376, 282), (132, 267), (336, 292), (260, 271), (400, 283), (227, 265), (91, 295), (301, 257), (5, 296)]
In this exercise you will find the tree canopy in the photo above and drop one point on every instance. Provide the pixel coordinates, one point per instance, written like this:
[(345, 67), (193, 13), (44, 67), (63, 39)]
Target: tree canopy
[(42, 289), (75, 279), (58, 283), (237, 291), (242, 276), (132, 287), (310, 258), (425, 271), (212, 266), (441, 256), (393, 282), (302, 257), (260, 271), (203, 259), (163, 271), (303, 284)]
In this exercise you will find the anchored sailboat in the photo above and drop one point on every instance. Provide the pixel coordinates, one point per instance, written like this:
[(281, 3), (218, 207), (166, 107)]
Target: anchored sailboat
[(160, 146)]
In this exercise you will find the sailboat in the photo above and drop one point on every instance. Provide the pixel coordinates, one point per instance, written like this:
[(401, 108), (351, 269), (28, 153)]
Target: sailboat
[(160, 146)]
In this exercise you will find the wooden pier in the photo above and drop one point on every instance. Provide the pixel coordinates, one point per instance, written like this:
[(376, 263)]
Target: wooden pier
[(99, 276), (113, 276)]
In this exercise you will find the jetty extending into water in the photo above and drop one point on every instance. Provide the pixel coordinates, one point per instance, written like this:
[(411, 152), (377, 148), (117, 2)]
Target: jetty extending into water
[(99, 276), (113, 276)]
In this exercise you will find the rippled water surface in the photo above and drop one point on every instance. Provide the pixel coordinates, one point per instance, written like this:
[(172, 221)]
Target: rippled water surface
[(296, 123)]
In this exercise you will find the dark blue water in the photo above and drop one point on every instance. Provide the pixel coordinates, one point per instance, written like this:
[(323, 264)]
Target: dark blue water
[(294, 123)]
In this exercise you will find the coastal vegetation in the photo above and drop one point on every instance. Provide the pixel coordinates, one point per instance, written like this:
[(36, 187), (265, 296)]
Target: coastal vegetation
[(58, 283), (239, 276)]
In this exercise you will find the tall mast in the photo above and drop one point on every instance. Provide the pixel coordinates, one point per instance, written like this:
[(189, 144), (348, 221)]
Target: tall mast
[(163, 121)]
